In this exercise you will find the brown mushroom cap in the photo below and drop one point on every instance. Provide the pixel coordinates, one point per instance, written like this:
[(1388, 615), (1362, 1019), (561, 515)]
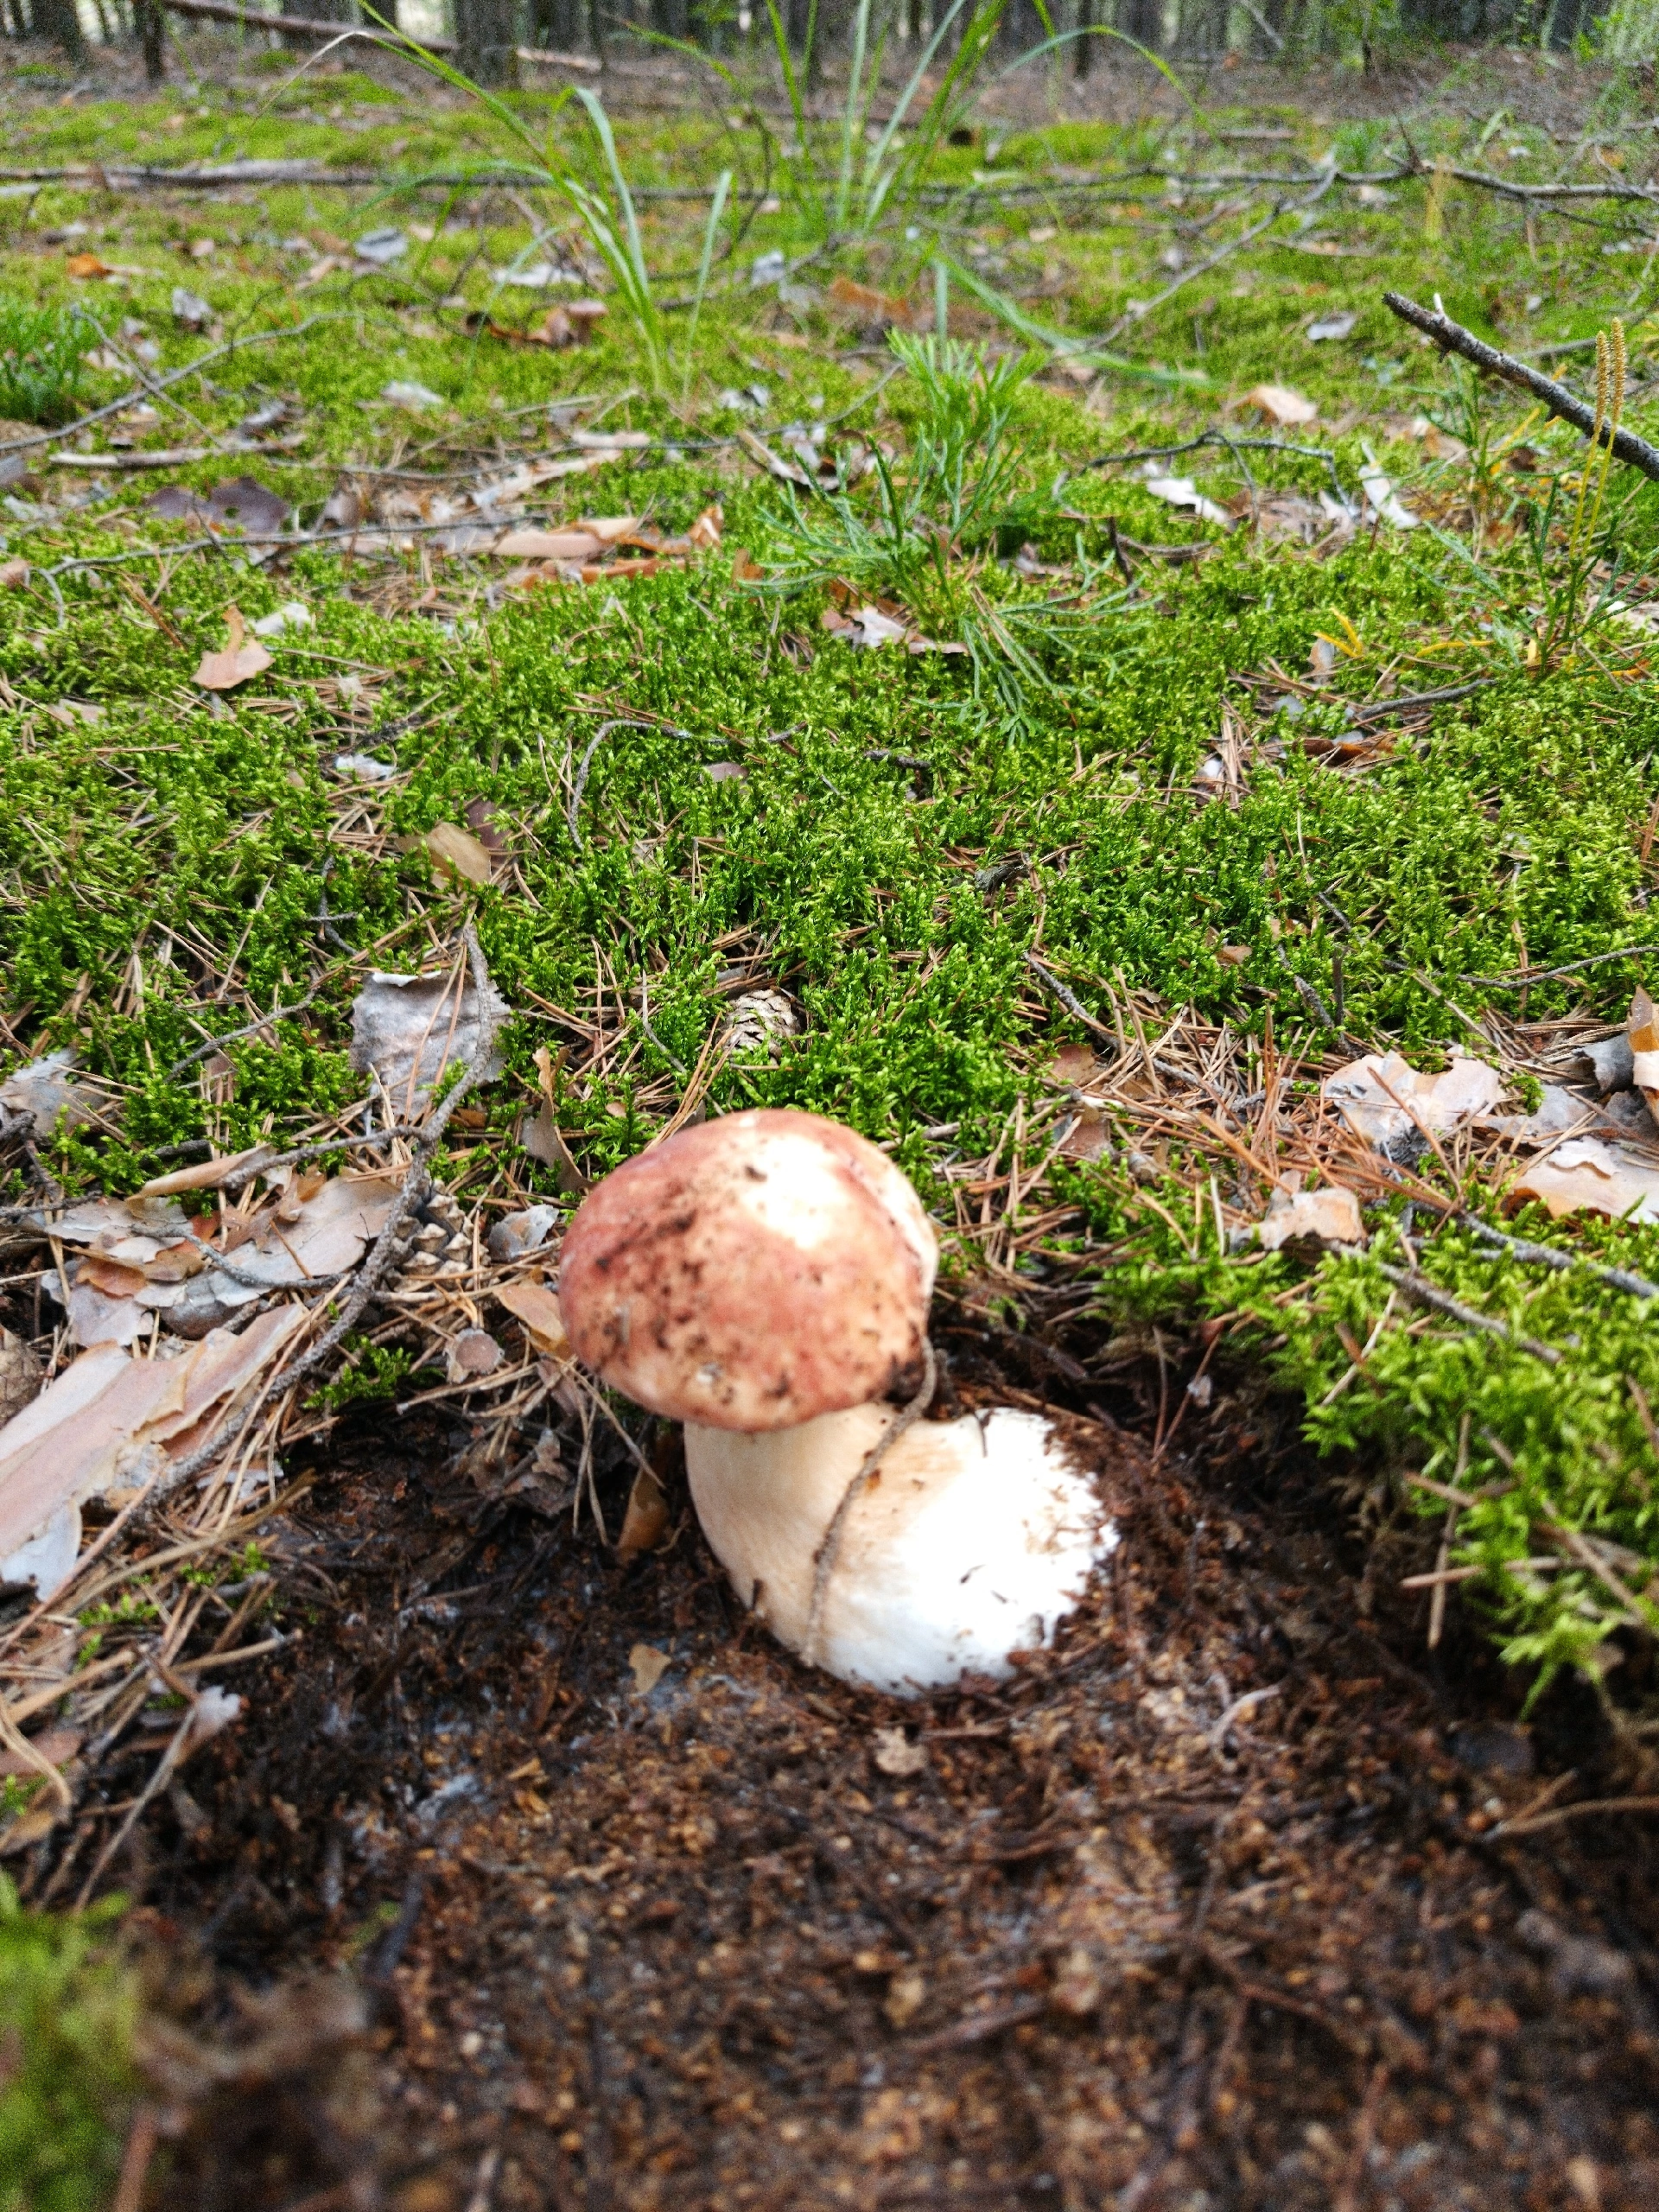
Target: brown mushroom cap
[(751, 1274)]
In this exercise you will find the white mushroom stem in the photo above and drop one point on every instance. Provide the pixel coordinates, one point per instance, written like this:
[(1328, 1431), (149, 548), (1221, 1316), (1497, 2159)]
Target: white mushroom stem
[(967, 1541)]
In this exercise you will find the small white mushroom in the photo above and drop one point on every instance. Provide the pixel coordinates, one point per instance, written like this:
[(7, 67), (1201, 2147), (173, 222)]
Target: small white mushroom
[(969, 1541), (765, 1278)]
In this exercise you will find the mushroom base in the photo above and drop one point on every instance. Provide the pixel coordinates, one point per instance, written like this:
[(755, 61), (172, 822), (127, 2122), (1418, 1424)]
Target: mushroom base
[(972, 1541)]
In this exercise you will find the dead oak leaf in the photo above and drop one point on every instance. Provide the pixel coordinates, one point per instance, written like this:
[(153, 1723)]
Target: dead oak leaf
[(240, 660)]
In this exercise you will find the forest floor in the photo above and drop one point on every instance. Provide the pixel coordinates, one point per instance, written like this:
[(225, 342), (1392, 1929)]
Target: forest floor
[(1298, 706)]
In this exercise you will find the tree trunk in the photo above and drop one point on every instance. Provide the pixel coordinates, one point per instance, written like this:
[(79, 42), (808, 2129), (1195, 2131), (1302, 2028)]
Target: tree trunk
[(150, 26), (487, 42), (1143, 20), (57, 20)]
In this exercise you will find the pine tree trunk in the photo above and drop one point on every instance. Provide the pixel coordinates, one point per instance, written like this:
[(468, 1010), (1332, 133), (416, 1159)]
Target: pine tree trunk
[(149, 23), (487, 40), (57, 20)]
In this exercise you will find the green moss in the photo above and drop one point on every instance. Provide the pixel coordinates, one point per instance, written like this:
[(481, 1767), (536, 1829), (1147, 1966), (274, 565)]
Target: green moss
[(67, 2008)]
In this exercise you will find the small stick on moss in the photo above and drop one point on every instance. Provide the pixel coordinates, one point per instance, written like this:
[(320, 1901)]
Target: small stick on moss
[(1452, 338), (248, 1029), (1427, 1293), (1068, 999), (1546, 1255)]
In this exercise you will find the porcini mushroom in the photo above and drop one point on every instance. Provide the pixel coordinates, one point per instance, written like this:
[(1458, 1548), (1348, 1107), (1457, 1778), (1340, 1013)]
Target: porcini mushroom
[(752, 1274), (971, 1540), (765, 1278)]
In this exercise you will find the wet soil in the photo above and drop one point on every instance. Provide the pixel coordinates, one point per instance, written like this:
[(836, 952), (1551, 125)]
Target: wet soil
[(1202, 1910)]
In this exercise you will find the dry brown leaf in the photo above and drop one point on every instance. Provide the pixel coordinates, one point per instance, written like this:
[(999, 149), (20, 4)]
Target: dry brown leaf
[(537, 1307), (610, 530), (207, 1175), (1585, 1175), (86, 266), (744, 569), (113, 1277), (530, 544), (46, 1088), (1280, 404), (705, 531), (1373, 1094), (649, 1666), (863, 299), (456, 851), (110, 1418), (1328, 1216), (242, 659), (646, 1524)]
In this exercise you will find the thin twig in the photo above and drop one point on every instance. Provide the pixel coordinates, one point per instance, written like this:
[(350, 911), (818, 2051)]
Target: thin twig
[(248, 1029), (1522, 977), (1546, 1255), (1068, 999), (1452, 338), (622, 721), (1426, 1294), (1562, 1813)]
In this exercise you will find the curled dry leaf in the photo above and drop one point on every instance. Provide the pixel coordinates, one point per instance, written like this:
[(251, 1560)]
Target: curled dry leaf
[(14, 575), (456, 852), (1373, 1095), (109, 1420), (1324, 1217), (207, 1175), (645, 1525), (537, 1307), (474, 1355), (519, 1233), (408, 1030), (1585, 1175), (240, 660), (529, 543), (1280, 404)]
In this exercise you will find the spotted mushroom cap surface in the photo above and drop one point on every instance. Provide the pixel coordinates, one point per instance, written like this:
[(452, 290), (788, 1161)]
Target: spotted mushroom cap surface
[(751, 1274)]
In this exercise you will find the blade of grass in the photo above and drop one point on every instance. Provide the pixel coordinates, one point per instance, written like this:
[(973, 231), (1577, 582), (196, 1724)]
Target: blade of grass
[(1055, 341), (722, 189)]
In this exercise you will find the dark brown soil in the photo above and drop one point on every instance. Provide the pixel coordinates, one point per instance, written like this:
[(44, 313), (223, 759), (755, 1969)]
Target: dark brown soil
[(699, 1948)]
